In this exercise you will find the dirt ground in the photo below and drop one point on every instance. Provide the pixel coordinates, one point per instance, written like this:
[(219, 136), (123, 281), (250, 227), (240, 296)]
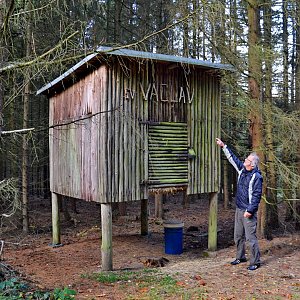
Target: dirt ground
[(47, 267)]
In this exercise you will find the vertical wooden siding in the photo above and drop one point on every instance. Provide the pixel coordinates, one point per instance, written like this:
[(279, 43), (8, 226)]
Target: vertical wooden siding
[(123, 139), (101, 153), (74, 140), (204, 127), (169, 82)]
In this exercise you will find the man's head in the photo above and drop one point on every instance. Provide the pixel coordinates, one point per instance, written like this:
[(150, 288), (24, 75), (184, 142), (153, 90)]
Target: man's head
[(251, 161)]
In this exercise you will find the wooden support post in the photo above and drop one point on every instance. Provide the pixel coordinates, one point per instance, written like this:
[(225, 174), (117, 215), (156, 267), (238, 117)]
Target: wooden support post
[(144, 216), (159, 205), (56, 199), (64, 209), (106, 247), (122, 208), (185, 199), (213, 222)]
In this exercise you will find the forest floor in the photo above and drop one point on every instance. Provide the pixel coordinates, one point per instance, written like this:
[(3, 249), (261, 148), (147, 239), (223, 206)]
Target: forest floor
[(198, 274)]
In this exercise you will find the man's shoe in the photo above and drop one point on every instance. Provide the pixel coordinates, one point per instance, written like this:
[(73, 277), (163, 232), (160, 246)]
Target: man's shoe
[(238, 261), (253, 267)]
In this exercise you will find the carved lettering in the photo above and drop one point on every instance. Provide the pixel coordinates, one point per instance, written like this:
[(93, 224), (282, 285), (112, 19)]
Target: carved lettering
[(189, 96), (160, 93), (129, 94), (147, 92), (181, 95), (163, 92), (154, 93)]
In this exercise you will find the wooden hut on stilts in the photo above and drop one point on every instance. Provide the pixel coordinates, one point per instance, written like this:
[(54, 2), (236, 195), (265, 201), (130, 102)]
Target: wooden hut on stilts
[(124, 123)]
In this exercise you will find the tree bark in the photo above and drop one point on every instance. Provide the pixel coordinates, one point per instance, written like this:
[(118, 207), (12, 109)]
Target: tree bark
[(271, 206), (285, 46), (144, 217), (297, 107), (5, 7), (122, 207), (185, 11), (254, 83), (286, 95), (26, 99)]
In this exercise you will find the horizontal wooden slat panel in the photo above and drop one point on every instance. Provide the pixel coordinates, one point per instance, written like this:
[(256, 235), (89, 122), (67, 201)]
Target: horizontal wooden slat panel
[(167, 154)]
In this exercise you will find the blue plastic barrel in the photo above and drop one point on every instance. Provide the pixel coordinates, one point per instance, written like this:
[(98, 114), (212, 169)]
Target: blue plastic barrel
[(173, 237)]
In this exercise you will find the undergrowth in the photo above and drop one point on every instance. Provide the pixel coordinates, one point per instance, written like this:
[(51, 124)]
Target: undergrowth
[(13, 289)]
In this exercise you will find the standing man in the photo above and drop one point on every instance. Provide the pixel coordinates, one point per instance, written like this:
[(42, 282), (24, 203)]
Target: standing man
[(248, 194)]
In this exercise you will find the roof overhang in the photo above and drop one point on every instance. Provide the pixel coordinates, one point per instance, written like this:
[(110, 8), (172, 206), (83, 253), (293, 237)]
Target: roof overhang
[(93, 59)]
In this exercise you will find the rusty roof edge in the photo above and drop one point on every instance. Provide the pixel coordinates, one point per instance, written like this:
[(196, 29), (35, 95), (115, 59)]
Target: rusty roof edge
[(136, 54), (164, 57)]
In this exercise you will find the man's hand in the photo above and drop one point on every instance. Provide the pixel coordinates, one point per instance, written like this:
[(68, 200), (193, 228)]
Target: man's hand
[(220, 143), (247, 215)]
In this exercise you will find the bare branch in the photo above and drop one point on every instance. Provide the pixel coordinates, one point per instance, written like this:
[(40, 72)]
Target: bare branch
[(31, 62), (25, 130)]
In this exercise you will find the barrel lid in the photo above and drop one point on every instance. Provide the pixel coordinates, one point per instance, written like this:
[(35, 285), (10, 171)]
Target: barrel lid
[(173, 224)]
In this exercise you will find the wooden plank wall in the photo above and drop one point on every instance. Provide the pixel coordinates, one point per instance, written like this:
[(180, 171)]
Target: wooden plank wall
[(123, 139), (101, 153), (170, 104), (74, 140), (204, 127)]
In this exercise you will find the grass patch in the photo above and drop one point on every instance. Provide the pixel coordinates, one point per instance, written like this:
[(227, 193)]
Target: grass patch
[(150, 284)]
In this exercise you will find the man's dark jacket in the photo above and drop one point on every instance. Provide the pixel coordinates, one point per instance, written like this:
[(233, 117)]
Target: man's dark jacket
[(249, 185)]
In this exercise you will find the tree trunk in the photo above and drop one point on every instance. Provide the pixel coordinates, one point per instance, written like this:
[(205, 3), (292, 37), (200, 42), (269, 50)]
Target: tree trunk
[(195, 32), (117, 22), (285, 101), (297, 107), (162, 20), (64, 209), (26, 98), (144, 217), (271, 206), (122, 207), (5, 6), (185, 11), (254, 82), (285, 46), (221, 40), (25, 165)]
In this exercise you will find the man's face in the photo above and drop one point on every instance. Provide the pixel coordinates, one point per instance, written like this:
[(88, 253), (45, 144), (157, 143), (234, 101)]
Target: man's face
[(248, 163)]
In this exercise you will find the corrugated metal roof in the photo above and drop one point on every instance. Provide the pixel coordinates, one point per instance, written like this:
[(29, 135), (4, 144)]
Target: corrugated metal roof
[(102, 50)]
